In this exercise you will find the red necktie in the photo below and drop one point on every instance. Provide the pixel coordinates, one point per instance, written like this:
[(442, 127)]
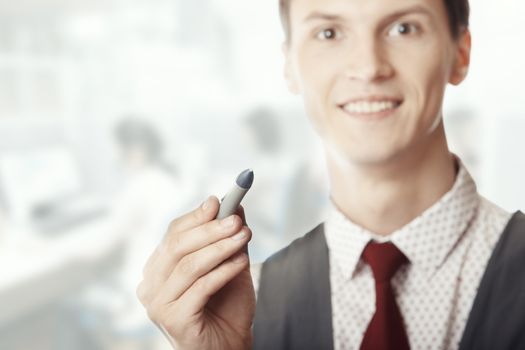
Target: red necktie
[(386, 330)]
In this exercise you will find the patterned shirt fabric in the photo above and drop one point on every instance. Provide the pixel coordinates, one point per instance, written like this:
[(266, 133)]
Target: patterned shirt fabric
[(448, 247)]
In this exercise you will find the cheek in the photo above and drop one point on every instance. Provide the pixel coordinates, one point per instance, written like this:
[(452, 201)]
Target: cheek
[(314, 111), (427, 78), (315, 84), (315, 73), (435, 90)]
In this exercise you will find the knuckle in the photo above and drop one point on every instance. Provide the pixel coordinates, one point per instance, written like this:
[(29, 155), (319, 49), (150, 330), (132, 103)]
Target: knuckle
[(220, 248), (153, 314), (248, 232), (215, 230), (202, 285), (172, 245), (197, 214), (145, 270), (148, 266), (141, 292), (173, 242), (177, 252), (173, 225), (170, 241), (187, 266)]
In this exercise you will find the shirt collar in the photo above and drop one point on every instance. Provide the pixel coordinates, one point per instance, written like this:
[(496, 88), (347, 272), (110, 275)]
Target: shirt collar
[(426, 241)]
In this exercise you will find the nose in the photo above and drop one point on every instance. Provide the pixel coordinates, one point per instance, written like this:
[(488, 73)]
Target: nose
[(368, 62)]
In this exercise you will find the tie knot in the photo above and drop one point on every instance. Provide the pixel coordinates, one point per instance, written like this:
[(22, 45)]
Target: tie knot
[(384, 260)]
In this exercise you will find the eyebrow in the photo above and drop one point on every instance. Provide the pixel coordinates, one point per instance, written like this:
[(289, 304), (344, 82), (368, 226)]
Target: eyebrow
[(316, 15), (322, 16), (416, 9)]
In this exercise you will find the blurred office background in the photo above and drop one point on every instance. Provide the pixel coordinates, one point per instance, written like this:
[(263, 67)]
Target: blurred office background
[(116, 116)]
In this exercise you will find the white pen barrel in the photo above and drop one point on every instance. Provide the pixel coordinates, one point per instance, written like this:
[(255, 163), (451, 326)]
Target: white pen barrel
[(231, 201)]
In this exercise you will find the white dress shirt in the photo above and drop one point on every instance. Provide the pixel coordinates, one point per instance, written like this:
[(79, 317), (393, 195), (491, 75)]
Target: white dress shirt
[(448, 247)]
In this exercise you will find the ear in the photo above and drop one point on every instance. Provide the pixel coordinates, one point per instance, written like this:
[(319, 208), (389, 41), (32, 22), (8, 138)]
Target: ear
[(462, 59), (288, 71)]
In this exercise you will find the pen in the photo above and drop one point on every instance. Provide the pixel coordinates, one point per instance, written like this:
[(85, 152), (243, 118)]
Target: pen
[(230, 202)]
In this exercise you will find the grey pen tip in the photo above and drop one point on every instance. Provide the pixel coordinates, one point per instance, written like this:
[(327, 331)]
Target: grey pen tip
[(245, 179)]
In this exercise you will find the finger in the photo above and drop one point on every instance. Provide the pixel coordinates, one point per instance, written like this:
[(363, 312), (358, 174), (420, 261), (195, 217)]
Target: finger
[(242, 214), (200, 263), (147, 269), (197, 296), (179, 246), (206, 212)]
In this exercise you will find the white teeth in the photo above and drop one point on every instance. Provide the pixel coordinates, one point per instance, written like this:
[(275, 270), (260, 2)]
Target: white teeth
[(369, 107)]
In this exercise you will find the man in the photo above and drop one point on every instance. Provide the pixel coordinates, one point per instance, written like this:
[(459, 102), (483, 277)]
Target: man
[(410, 255)]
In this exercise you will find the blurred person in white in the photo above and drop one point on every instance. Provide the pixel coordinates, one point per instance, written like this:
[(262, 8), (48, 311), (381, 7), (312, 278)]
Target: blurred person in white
[(410, 255), (151, 193)]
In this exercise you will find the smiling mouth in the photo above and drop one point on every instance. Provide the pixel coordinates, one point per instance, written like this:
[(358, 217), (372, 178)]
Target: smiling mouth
[(371, 109)]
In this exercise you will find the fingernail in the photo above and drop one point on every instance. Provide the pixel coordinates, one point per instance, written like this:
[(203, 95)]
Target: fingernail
[(239, 258), (239, 236), (228, 222)]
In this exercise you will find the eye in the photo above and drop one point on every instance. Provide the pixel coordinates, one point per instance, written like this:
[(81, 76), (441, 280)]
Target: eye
[(403, 28), (328, 34)]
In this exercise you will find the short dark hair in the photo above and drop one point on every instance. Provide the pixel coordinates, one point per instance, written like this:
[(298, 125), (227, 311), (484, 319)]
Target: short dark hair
[(458, 14)]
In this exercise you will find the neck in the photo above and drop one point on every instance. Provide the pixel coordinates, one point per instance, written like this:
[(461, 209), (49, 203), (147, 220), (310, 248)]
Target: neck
[(385, 197)]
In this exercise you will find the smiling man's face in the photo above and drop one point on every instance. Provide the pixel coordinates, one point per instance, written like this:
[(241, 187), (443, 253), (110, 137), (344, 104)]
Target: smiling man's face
[(373, 73)]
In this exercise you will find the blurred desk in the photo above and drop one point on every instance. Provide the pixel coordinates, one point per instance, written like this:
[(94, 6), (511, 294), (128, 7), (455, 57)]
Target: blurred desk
[(36, 270)]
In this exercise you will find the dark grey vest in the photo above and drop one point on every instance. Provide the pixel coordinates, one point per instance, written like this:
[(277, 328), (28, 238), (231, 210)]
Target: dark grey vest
[(294, 310)]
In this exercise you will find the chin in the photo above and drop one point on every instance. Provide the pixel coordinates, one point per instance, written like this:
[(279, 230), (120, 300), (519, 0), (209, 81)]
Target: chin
[(364, 155)]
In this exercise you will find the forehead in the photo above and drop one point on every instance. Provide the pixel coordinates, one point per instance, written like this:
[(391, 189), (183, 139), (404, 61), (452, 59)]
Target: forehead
[(359, 10)]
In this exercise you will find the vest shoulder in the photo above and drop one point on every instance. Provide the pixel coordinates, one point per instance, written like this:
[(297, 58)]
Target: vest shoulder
[(496, 320), (300, 247), (511, 247)]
